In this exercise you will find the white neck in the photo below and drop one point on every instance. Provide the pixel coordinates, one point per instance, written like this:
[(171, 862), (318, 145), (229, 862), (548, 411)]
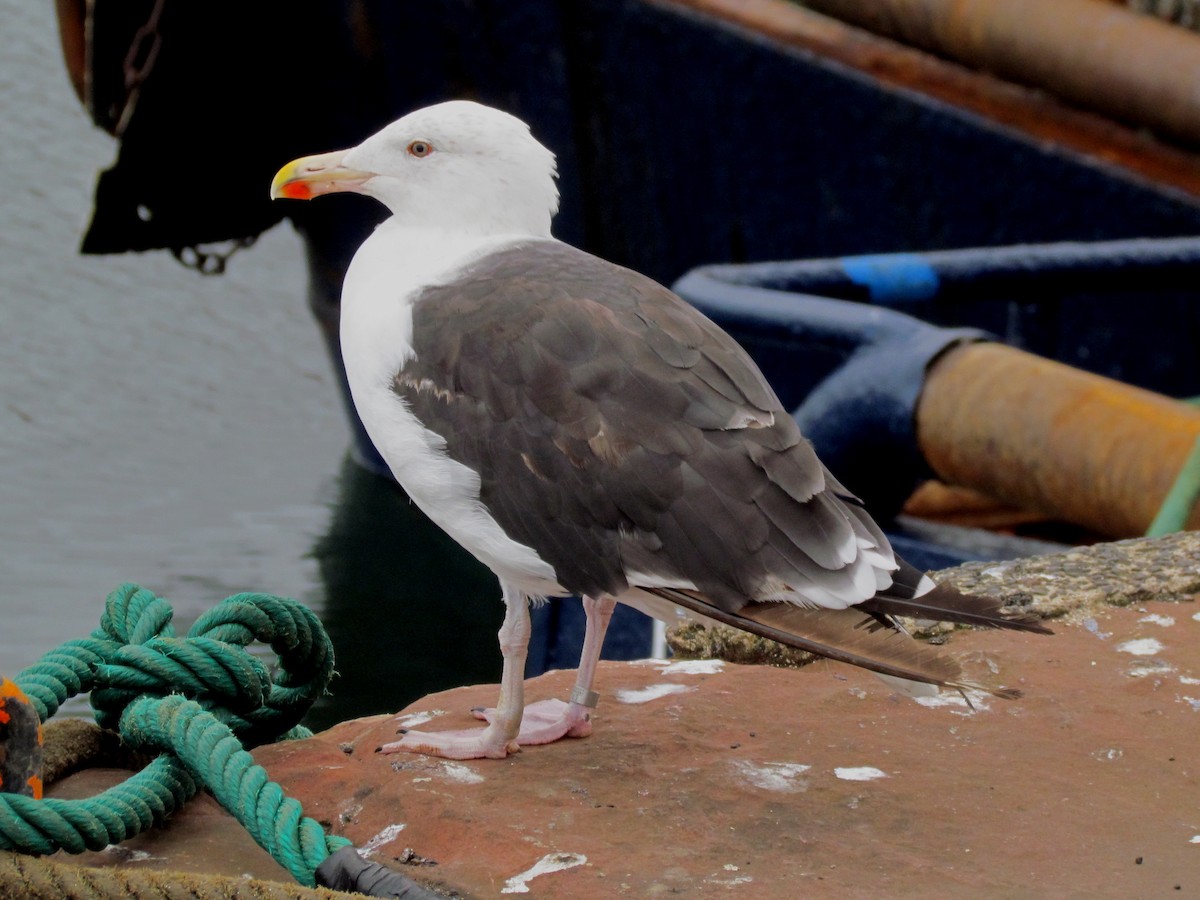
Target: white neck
[(398, 261), (469, 212), (410, 256)]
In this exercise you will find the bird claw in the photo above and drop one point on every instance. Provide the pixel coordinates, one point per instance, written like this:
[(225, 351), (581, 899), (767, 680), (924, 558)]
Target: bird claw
[(542, 723)]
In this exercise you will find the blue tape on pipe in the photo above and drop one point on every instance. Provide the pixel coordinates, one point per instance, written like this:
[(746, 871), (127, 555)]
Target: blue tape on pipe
[(892, 276)]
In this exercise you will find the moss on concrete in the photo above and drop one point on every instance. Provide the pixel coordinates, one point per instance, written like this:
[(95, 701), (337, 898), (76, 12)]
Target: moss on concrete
[(1071, 584)]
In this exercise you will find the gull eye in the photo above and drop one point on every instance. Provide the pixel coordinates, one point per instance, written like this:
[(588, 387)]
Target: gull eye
[(420, 149)]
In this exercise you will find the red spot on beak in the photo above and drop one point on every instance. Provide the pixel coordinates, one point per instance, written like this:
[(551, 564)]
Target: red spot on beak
[(297, 190)]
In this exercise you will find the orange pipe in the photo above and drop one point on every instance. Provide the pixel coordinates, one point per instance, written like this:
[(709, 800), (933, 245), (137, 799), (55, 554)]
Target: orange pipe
[(1100, 56), (1045, 436)]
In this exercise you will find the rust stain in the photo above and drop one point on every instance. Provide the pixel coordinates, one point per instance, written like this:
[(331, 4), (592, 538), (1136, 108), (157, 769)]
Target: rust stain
[(8, 688)]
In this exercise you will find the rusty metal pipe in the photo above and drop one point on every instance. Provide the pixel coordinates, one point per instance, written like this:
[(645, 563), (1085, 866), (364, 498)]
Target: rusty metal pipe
[(1104, 57), (1045, 436)]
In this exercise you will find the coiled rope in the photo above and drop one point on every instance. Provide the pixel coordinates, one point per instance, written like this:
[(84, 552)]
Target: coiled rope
[(201, 699)]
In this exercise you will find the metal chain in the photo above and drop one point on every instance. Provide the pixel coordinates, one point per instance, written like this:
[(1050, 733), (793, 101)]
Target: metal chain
[(209, 260), (139, 62)]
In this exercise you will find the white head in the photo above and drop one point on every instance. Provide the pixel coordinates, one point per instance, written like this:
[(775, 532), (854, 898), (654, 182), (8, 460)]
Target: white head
[(459, 166)]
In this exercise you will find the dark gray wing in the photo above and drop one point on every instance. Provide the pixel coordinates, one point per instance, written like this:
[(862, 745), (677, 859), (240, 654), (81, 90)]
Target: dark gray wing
[(616, 430)]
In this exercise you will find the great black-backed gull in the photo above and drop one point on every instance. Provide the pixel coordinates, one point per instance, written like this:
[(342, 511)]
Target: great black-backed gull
[(582, 430)]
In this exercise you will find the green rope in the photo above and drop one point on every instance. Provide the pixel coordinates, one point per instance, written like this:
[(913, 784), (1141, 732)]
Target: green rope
[(208, 747), (1177, 506), (137, 804), (203, 699)]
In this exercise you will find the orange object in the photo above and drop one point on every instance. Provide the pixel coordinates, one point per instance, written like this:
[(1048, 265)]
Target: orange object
[(1042, 435), (1127, 66), (20, 743)]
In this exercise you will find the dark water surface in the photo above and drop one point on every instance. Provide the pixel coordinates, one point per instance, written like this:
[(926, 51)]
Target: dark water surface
[(185, 432)]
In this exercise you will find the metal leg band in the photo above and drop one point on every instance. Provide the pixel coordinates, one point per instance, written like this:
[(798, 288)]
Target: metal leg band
[(585, 697)]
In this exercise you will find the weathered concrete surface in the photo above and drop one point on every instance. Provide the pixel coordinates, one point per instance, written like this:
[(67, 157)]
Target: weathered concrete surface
[(1070, 585), (713, 779), (738, 781), (1082, 580)]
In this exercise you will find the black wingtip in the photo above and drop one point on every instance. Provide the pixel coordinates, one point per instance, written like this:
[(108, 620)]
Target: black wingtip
[(944, 603)]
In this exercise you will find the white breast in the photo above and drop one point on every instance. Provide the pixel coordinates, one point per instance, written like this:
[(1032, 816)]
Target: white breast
[(387, 274)]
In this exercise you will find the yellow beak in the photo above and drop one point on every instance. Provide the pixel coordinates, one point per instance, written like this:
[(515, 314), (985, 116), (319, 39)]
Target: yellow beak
[(311, 176)]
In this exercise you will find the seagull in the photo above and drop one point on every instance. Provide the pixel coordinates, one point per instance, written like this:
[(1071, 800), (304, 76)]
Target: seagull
[(581, 430)]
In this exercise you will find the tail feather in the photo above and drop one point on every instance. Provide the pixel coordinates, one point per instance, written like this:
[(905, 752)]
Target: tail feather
[(846, 635)]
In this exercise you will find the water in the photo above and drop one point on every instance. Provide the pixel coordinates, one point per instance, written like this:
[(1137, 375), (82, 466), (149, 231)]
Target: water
[(156, 426), (165, 428), (186, 433)]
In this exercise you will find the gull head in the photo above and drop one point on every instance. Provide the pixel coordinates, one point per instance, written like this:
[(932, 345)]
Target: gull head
[(460, 166)]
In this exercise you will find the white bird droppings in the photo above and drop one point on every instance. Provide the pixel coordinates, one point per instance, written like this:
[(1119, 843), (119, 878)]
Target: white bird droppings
[(960, 706), (126, 855), (859, 773), (1155, 667), (1094, 627), (1195, 839), (419, 718), (776, 776), (1188, 679), (551, 862), (1156, 619), (1141, 647), (386, 836), (695, 667), (729, 882), (461, 774), (653, 692)]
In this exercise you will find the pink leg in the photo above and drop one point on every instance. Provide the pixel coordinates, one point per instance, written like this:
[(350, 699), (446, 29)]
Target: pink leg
[(499, 738), (549, 720), (538, 723)]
